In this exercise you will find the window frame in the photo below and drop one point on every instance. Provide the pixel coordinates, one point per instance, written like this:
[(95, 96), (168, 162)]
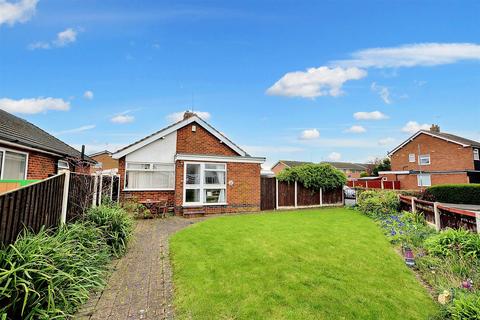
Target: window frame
[(147, 170), (424, 156), (476, 154), (203, 186), (410, 157), (3, 151), (424, 185), (62, 167)]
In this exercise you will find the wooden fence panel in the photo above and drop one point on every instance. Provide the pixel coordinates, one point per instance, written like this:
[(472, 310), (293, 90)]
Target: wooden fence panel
[(268, 193), (286, 194), (334, 196), (33, 206), (456, 219), (307, 197)]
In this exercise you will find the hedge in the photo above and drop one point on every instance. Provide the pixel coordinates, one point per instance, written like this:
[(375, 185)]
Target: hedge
[(454, 193)]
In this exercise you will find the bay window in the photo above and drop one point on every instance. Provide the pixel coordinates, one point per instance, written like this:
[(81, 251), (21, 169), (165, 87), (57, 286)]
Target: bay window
[(13, 165), (205, 183), (149, 176)]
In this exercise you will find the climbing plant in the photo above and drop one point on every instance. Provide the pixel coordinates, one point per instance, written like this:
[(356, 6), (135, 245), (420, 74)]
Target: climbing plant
[(314, 176)]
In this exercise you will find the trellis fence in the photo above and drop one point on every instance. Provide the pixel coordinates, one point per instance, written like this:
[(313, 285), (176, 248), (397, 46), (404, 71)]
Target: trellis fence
[(284, 195), (441, 216), (53, 201)]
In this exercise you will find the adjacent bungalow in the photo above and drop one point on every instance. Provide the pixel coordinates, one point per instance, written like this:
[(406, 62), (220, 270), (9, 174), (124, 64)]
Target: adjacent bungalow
[(29, 153), (104, 161), (351, 170), (431, 157), (193, 167)]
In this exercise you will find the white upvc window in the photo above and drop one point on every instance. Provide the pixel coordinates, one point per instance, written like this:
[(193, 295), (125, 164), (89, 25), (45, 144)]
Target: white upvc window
[(149, 176), (424, 180), (63, 165), (13, 165), (411, 157), (476, 154), (424, 159), (204, 184)]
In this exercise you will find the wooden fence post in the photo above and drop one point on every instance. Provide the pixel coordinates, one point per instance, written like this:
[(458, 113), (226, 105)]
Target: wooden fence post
[(321, 197), (414, 206), (295, 193), (95, 184), (438, 222), (66, 184), (477, 216), (276, 194), (366, 184), (381, 182)]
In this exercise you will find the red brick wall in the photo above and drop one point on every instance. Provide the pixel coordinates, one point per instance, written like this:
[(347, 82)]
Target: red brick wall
[(243, 196), (201, 142), (41, 166), (410, 182), (444, 155)]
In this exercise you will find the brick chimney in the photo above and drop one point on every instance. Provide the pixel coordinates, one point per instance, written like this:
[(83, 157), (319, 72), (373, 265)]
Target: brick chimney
[(435, 128), (188, 114)]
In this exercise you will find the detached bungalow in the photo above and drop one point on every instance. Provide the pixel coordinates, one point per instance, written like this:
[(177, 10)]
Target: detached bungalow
[(193, 167), (29, 153)]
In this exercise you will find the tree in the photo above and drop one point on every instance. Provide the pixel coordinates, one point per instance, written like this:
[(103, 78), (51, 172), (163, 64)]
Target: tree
[(314, 176), (381, 165)]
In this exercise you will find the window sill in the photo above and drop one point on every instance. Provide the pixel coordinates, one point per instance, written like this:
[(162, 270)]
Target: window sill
[(197, 204)]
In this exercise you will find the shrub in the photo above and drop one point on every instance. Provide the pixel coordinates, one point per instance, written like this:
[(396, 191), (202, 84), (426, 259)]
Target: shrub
[(378, 204), (44, 275), (454, 193), (314, 176), (117, 226), (453, 242), (466, 306)]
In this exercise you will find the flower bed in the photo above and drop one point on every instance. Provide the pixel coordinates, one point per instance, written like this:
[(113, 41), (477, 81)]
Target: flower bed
[(448, 262)]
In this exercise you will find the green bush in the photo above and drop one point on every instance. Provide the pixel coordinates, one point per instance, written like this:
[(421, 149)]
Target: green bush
[(314, 176), (454, 193), (378, 204), (116, 223), (44, 276), (453, 242), (465, 307)]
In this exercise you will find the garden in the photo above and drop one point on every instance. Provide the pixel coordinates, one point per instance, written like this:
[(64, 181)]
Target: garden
[(48, 275)]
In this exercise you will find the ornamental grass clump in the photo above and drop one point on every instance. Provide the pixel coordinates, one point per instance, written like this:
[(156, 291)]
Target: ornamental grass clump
[(48, 275), (117, 226)]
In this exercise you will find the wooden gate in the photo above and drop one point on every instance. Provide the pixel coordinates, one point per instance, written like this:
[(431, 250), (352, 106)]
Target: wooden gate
[(267, 193)]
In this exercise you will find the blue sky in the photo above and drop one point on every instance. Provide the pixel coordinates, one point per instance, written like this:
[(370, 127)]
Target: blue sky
[(311, 80)]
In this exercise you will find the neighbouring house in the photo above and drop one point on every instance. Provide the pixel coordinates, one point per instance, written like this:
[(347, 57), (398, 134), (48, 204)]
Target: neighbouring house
[(104, 161), (351, 170), (29, 153), (431, 157), (193, 167)]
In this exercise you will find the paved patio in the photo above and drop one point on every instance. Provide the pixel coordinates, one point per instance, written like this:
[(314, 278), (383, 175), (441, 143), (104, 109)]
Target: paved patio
[(140, 286)]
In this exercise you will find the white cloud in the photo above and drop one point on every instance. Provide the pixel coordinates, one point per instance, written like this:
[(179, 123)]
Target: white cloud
[(76, 130), (178, 116), (33, 105), (411, 55), (309, 134), (385, 141), (334, 156), (374, 115), (19, 11), (122, 119), (63, 39), (356, 129), (382, 91), (413, 126), (315, 82), (88, 95)]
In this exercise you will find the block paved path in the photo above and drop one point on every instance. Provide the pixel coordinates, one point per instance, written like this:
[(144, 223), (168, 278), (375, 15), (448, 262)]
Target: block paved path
[(140, 286)]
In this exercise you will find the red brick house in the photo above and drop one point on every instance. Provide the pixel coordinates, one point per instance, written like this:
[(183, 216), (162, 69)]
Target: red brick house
[(29, 153), (193, 167), (431, 157), (351, 170)]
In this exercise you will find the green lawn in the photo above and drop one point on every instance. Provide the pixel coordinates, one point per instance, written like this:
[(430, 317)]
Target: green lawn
[(315, 264)]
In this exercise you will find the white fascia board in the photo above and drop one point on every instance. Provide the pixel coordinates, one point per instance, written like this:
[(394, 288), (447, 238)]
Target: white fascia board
[(427, 133), (199, 157), (393, 172), (168, 130)]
